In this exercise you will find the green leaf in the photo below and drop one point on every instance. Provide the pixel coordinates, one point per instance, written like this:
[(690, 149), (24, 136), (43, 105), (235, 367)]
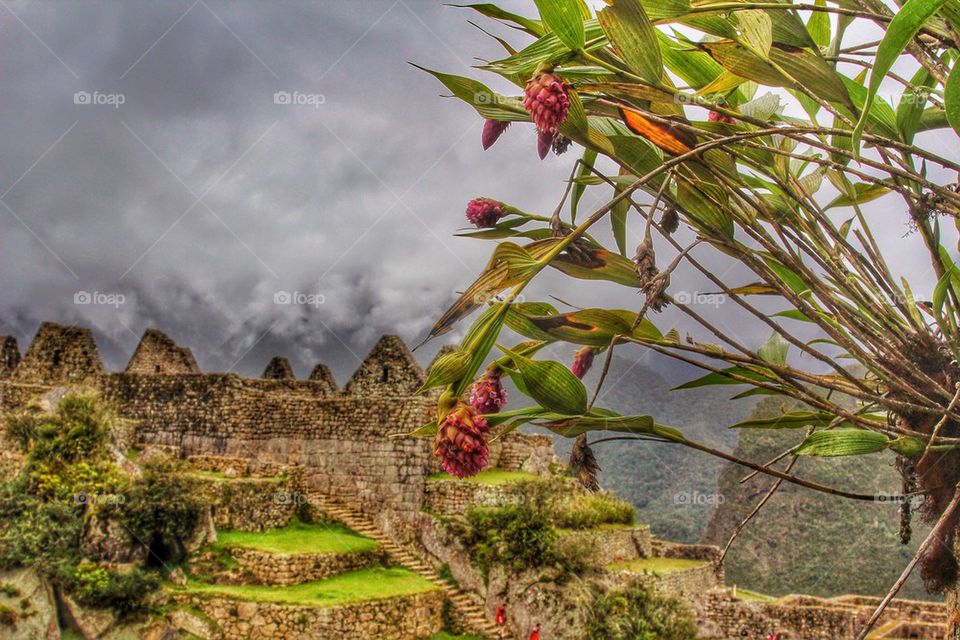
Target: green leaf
[(448, 368), (774, 349), (564, 19), (819, 26), (533, 27), (572, 428), (756, 31), (842, 442), (790, 420), (951, 97), (632, 34), (910, 109), (517, 319), (865, 192), (594, 327), (901, 30), (551, 384), (488, 103), (717, 377)]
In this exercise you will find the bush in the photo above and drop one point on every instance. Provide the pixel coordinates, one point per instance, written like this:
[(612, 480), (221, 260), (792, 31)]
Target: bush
[(94, 585), (516, 537), (35, 532), (639, 613), (162, 509), (588, 510)]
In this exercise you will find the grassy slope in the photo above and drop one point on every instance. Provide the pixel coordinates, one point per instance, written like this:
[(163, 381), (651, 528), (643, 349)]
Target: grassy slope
[(657, 565), (807, 542), (490, 476), (298, 537), (366, 584)]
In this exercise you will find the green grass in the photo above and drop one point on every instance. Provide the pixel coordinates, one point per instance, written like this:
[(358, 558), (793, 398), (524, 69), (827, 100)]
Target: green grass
[(657, 565), (298, 537), (356, 586), (491, 476), (746, 594)]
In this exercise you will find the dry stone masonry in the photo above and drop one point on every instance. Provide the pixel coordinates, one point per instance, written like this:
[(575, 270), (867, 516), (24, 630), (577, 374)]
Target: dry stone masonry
[(157, 353)]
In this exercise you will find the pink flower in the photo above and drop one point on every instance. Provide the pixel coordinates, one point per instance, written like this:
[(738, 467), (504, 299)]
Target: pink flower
[(547, 101), (713, 116), (484, 212), (491, 131), (582, 361), (460, 442), (487, 394)]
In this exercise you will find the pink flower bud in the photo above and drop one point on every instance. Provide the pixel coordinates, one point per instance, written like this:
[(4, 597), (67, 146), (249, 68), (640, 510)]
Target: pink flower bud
[(582, 361), (547, 101), (461, 443), (484, 212), (491, 131), (487, 394)]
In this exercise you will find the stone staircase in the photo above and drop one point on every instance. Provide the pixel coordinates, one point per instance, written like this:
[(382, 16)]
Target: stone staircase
[(472, 614)]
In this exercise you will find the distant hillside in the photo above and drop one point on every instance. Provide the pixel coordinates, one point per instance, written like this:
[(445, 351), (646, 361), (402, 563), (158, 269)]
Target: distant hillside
[(808, 542), (664, 481)]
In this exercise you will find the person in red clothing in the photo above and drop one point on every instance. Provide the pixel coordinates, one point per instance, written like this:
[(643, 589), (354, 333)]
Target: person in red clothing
[(500, 619), (535, 635)]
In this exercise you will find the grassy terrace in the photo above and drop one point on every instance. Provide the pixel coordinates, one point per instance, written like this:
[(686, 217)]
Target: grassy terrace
[(206, 474), (490, 476), (657, 565), (356, 586), (746, 594), (298, 537)]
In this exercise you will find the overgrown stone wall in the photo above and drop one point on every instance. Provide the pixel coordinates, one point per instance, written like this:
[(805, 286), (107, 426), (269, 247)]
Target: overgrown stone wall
[(287, 569), (399, 618)]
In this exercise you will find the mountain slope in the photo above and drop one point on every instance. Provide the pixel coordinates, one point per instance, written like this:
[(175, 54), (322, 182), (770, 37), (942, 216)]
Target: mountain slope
[(808, 542)]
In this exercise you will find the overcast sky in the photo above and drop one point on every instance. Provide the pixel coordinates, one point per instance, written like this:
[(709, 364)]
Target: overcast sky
[(146, 156)]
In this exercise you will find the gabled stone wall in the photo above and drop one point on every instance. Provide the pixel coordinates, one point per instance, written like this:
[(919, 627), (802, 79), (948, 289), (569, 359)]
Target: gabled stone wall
[(158, 354), (389, 370), (9, 355), (59, 355)]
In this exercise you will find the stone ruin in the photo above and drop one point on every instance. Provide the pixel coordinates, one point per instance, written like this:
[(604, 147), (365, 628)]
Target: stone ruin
[(348, 446), (278, 369), (59, 354), (157, 353)]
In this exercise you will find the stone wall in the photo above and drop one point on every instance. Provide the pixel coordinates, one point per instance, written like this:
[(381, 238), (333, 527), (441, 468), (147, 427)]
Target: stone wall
[(525, 452), (604, 546), (251, 504), (59, 355), (157, 353), (278, 369), (389, 370), (399, 618), (9, 355), (286, 569), (454, 497)]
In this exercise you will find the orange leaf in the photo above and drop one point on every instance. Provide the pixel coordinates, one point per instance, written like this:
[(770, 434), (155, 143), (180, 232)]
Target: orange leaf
[(670, 138)]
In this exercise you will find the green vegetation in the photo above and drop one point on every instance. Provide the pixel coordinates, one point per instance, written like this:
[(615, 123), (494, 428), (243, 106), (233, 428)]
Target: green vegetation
[(355, 586), (446, 635), (746, 594), (300, 537), (516, 537), (69, 475), (638, 612), (657, 565), (590, 510), (490, 476)]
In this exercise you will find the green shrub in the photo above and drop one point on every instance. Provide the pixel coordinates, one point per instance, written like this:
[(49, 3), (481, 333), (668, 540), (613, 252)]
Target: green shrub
[(37, 533), (637, 612), (588, 510), (97, 586), (162, 509), (516, 537)]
